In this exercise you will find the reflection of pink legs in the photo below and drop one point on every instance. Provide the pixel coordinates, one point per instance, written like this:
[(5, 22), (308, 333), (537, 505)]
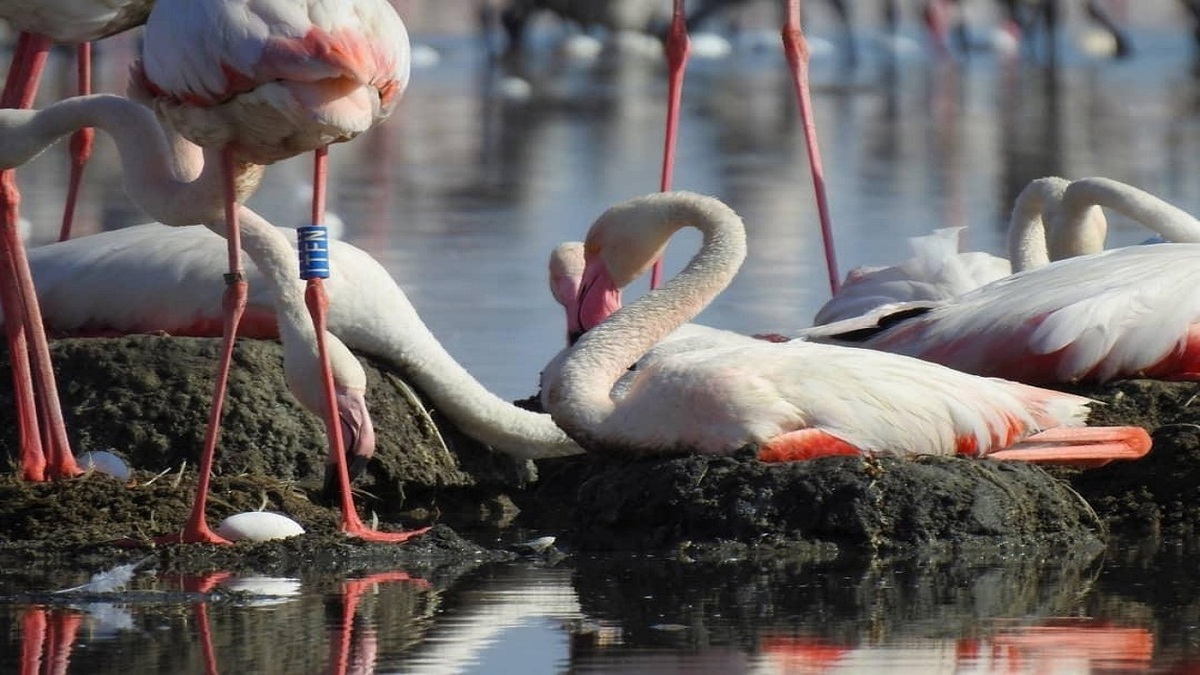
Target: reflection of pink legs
[(677, 48), (45, 450), (363, 658), (317, 302), (795, 47), (47, 638)]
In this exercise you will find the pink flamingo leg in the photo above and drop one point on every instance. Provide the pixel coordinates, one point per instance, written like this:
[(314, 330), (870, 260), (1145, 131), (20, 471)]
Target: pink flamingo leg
[(677, 47), (33, 375), (81, 142), (796, 49), (197, 531), (317, 301)]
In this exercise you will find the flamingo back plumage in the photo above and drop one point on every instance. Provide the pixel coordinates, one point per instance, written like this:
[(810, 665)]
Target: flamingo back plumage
[(74, 21), (1123, 313), (275, 79)]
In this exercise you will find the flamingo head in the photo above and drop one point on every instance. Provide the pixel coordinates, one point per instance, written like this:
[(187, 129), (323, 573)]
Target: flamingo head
[(302, 371), (566, 274), (627, 239), (358, 437)]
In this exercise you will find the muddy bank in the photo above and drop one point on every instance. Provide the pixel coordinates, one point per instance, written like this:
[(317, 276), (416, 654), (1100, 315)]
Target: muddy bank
[(147, 398)]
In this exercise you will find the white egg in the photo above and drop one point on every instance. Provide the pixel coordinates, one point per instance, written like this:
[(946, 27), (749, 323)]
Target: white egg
[(103, 461), (258, 526)]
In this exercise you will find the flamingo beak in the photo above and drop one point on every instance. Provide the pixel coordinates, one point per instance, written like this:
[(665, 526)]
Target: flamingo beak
[(599, 296), (358, 436)]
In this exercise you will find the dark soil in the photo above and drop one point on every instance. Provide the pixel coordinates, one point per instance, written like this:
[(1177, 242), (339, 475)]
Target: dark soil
[(147, 399)]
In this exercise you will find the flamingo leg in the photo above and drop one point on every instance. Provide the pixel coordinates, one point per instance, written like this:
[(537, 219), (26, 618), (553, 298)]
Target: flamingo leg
[(81, 142), (795, 47), (34, 384), (677, 48), (196, 530), (317, 302)]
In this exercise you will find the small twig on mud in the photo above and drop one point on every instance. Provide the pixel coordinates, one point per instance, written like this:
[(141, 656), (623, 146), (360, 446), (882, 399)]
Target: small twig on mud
[(179, 476), (160, 474), (265, 500), (1191, 398)]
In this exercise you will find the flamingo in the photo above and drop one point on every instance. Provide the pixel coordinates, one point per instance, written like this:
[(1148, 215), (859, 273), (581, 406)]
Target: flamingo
[(1052, 219), (793, 400), (40, 430), (153, 277), (795, 48), (1127, 312), (1123, 313), (261, 81), (180, 183)]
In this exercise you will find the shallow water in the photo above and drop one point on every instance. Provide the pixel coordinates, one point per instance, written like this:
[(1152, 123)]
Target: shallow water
[(463, 194)]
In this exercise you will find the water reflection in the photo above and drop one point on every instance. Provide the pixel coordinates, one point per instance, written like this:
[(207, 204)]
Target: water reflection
[(962, 611), (463, 195)]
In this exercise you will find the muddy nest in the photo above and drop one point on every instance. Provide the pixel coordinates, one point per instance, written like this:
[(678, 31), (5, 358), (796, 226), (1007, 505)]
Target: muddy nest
[(147, 399)]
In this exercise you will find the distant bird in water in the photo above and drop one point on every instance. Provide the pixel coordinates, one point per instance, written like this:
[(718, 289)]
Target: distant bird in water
[(794, 400)]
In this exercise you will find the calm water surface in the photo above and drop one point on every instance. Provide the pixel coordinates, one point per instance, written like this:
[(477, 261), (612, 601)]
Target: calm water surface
[(463, 194)]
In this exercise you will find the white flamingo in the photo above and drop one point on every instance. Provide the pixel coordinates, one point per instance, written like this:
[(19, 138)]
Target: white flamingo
[(793, 400), (170, 179), (1052, 219)]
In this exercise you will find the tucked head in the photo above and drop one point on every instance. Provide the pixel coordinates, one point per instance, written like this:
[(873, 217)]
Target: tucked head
[(303, 374)]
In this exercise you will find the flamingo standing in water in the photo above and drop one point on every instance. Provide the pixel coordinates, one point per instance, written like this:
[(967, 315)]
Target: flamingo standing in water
[(793, 400), (40, 430), (795, 48), (153, 165)]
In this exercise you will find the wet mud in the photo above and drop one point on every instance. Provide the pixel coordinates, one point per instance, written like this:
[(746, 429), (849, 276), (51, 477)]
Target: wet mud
[(147, 399)]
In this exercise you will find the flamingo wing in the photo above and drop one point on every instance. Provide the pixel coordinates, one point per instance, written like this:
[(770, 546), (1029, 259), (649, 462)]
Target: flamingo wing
[(1121, 313)]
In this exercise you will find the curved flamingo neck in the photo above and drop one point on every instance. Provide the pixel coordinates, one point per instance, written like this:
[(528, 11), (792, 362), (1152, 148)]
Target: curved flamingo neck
[(1171, 222), (581, 401), (172, 180), (380, 320), (1027, 236)]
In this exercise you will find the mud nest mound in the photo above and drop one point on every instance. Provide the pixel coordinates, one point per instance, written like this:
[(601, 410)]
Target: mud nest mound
[(147, 398)]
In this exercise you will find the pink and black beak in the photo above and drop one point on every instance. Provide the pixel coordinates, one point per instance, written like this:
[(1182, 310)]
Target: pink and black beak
[(599, 296), (358, 437)]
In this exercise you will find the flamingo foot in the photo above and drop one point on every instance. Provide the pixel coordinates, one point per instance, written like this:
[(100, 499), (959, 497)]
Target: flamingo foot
[(193, 534), (360, 531), (1079, 447)]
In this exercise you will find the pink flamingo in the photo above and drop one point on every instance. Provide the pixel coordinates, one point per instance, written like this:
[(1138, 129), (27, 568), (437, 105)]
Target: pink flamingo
[(263, 80), (40, 430), (1121, 313), (1124, 313), (795, 47), (793, 400), (179, 183)]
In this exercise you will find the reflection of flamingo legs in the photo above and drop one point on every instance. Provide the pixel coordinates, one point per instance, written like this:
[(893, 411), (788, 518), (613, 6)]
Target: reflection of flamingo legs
[(340, 645), (47, 638), (795, 47)]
